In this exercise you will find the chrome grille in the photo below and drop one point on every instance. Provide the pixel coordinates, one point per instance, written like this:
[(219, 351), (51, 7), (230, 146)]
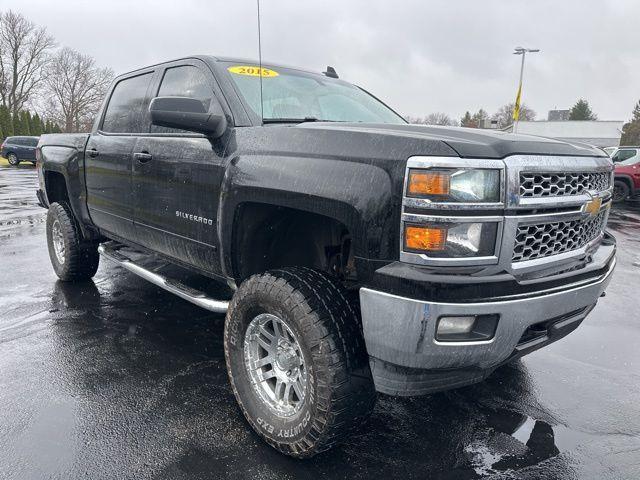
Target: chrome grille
[(536, 185), (543, 240)]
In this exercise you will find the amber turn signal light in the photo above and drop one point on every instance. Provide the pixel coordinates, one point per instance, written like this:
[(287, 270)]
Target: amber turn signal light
[(425, 238), (428, 183)]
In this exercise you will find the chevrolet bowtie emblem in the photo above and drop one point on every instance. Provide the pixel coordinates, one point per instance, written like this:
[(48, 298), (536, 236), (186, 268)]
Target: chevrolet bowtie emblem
[(592, 207)]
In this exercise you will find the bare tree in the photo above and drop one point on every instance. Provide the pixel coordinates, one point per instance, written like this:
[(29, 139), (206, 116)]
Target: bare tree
[(504, 115), (76, 87), (437, 118), (24, 53)]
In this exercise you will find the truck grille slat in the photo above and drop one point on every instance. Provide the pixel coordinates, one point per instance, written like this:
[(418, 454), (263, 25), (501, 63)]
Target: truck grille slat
[(552, 238), (537, 185)]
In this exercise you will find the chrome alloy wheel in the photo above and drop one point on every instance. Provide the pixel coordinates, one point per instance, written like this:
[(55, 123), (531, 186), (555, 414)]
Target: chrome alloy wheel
[(58, 241), (275, 364)]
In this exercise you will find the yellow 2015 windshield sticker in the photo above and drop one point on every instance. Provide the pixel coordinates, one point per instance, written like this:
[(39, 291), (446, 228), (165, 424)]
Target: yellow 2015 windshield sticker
[(252, 71)]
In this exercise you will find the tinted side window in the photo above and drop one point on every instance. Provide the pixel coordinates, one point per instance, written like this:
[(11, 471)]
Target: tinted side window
[(17, 141), (125, 111), (184, 81), (32, 142)]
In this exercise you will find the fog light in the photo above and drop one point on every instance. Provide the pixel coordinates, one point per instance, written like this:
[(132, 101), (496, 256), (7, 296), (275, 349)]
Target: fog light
[(466, 328), (455, 325)]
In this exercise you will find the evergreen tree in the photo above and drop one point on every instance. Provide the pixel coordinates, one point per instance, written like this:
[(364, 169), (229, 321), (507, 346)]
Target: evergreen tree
[(25, 118), (479, 116), (36, 125), (18, 128), (631, 130), (5, 122), (582, 111), (466, 121)]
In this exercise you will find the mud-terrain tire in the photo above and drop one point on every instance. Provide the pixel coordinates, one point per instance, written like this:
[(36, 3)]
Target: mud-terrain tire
[(13, 160), (73, 258), (338, 394), (620, 191)]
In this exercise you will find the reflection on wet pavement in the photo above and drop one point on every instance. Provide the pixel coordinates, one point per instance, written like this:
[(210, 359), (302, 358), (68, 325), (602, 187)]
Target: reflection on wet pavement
[(114, 378)]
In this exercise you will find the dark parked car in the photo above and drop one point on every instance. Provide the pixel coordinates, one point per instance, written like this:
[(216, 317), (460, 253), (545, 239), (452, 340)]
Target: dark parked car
[(362, 253), (20, 149)]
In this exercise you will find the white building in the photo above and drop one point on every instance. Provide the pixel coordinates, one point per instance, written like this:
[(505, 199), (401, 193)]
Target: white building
[(605, 133)]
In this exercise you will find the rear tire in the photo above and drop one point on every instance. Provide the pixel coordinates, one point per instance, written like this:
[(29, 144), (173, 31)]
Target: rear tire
[(72, 257), (620, 191), (13, 159), (327, 360)]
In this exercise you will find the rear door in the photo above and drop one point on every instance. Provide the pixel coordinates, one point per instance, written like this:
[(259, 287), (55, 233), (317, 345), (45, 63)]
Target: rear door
[(20, 148), (30, 148), (177, 177), (108, 156)]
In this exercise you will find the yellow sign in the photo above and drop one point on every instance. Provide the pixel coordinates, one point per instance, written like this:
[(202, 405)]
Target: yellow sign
[(252, 71), (592, 207)]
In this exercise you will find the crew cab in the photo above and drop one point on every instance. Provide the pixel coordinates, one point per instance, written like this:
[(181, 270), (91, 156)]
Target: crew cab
[(362, 254), (627, 173)]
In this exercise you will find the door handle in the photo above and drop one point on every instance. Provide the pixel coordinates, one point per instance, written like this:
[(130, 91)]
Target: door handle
[(93, 153), (143, 157)]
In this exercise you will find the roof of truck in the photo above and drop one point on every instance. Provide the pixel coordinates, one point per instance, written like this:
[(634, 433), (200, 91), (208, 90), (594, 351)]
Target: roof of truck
[(212, 58)]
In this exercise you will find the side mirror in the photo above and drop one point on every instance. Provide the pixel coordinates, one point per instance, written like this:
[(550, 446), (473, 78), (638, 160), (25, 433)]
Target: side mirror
[(187, 114)]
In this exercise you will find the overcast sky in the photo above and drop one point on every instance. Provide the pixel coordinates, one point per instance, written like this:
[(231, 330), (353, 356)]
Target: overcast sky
[(420, 56)]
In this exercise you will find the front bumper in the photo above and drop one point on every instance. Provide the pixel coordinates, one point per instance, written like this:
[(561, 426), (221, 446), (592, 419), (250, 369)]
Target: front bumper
[(406, 359)]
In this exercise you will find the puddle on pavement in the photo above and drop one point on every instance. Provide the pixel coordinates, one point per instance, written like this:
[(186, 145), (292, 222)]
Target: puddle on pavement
[(513, 441)]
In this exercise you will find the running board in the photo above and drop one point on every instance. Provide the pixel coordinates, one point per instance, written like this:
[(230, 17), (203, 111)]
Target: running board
[(181, 290)]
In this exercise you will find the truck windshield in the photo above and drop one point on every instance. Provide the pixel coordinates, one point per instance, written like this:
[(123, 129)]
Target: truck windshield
[(295, 96)]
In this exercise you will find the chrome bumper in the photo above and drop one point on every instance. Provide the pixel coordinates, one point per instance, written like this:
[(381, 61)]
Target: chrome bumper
[(406, 359)]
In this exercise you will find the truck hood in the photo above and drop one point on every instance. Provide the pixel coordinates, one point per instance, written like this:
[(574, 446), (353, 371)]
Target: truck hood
[(468, 142)]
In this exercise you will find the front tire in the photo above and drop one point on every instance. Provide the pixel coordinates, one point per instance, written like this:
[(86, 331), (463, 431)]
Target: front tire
[(620, 191), (296, 360), (72, 257), (13, 159)]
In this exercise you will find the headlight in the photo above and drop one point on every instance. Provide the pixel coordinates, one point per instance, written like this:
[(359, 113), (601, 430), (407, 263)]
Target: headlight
[(455, 185), (451, 240)]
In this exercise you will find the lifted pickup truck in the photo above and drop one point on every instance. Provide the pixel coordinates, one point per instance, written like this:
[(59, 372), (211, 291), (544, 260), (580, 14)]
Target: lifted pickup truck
[(362, 254)]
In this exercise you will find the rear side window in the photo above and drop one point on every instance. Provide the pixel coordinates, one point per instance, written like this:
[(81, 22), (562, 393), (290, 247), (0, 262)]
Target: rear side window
[(622, 155), (184, 81), (125, 111), (32, 142)]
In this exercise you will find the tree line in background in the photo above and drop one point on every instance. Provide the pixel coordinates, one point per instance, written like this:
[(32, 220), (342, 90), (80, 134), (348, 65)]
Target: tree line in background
[(24, 123), (63, 85), (502, 118), (631, 129)]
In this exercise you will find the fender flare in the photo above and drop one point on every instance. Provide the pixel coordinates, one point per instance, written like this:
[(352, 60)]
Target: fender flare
[(368, 209), (69, 162)]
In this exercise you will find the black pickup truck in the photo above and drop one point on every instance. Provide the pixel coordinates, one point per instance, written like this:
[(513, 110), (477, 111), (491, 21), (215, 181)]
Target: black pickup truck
[(361, 254)]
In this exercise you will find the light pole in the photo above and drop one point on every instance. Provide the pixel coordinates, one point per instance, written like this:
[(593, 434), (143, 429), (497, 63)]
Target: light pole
[(516, 109)]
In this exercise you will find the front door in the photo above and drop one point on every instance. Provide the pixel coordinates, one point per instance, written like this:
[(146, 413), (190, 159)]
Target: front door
[(177, 177), (108, 157)]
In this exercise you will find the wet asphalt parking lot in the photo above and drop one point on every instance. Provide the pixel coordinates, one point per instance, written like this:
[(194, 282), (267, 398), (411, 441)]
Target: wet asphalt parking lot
[(116, 378)]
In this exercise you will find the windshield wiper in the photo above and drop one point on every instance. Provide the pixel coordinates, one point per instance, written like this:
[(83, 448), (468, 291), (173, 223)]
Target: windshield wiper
[(293, 120)]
